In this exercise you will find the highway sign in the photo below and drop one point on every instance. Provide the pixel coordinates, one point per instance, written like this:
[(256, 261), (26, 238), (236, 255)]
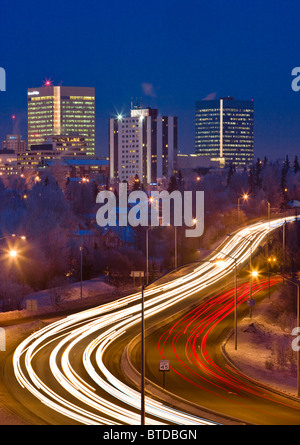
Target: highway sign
[(164, 365), (137, 273)]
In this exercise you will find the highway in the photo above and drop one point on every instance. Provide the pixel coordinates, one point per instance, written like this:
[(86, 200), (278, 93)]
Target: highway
[(193, 343), (69, 372)]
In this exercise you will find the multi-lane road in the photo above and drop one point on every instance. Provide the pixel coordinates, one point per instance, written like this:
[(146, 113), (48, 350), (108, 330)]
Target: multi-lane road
[(70, 372), (193, 344)]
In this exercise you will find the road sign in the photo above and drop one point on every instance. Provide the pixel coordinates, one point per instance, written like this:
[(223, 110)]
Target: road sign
[(164, 365), (2, 340), (250, 302), (31, 305), (137, 273)]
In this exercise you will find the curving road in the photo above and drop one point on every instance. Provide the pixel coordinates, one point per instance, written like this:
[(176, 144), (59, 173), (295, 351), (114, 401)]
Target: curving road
[(69, 371), (193, 345)]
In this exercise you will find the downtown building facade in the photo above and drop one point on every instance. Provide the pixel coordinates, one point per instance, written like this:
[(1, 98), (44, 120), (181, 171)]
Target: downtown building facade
[(53, 148), (144, 144), (63, 111), (14, 143), (224, 130)]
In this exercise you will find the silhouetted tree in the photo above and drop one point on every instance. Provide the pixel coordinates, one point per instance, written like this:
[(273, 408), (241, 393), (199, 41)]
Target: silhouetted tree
[(136, 183), (230, 173), (172, 184), (296, 165)]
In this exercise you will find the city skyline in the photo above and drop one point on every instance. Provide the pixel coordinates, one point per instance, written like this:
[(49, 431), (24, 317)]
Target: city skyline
[(245, 56), (149, 216)]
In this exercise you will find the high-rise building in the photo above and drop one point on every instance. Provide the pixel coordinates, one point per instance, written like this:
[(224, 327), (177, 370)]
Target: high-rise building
[(61, 110), (64, 145), (144, 144), (224, 130), (14, 142)]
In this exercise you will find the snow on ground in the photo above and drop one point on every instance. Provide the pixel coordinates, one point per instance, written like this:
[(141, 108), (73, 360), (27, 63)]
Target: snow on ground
[(264, 344), (90, 289), (94, 291)]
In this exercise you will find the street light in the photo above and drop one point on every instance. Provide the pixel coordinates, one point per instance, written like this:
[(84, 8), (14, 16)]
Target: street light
[(244, 197), (13, 235), (270, 259), (13, 253)]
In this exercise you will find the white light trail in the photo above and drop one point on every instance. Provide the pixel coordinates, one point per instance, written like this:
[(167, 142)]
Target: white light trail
[(97, 396)]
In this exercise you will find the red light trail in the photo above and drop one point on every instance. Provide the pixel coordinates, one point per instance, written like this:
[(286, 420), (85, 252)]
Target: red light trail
[(191, 334)]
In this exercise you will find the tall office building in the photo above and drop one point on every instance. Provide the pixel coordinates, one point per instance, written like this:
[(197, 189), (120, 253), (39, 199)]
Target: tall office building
[(224, 130), (144, 144), (63, 111)]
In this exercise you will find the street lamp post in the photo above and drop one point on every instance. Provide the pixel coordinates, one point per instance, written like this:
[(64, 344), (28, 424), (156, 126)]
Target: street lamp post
[(81, 249), (269, 259), (147, 255), (143, 361), (235, 297), (13, 253), (244, 197), (269, 208), (251, 273), (176, 254), (250, 262), (283, 250)]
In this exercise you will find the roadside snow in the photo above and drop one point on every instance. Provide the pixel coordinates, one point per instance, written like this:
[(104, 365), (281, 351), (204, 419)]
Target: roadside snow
[(264, 344), (95, 291)]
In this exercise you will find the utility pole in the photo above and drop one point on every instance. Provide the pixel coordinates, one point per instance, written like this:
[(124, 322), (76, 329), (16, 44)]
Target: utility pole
[(81, 248), (283, 251), (176, 253), (269, 214), (147, 255), (143, 362)]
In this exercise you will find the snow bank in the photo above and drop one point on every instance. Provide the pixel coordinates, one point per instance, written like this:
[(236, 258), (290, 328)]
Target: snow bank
[(264, 345)]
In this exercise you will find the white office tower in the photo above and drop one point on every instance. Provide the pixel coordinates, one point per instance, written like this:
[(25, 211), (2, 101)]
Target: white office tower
[(144, 144)]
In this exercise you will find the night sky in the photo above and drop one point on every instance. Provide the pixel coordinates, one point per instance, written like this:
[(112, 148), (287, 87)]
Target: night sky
[(168, 53)]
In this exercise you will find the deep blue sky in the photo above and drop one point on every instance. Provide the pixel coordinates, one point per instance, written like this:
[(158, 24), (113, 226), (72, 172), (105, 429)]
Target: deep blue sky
[(170, 53)]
